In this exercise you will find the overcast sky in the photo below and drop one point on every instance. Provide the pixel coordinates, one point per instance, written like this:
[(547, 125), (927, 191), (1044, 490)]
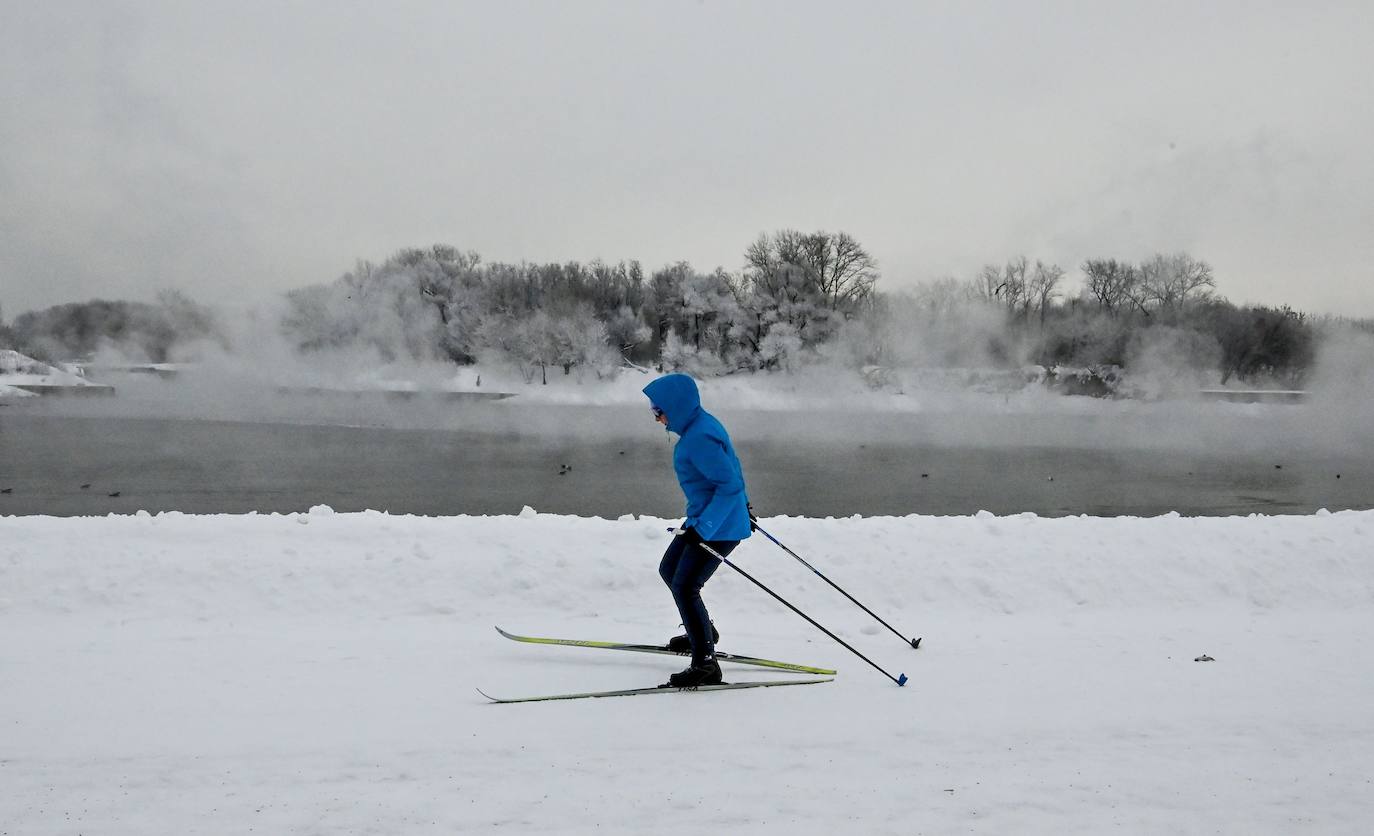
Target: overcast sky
[(239, 149)]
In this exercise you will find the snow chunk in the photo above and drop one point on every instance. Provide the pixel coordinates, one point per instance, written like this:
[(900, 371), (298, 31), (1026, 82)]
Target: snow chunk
[(528, 513), (984, 515), (321, 511)]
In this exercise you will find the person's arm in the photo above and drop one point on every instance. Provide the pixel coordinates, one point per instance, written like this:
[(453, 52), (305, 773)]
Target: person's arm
[(709, 457)]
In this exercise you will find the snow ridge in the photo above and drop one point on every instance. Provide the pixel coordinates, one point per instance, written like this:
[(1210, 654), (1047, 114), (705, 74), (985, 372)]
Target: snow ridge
[(378, 565)]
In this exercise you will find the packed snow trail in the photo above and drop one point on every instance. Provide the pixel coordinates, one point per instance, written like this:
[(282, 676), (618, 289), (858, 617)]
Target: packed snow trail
[(314, 673)]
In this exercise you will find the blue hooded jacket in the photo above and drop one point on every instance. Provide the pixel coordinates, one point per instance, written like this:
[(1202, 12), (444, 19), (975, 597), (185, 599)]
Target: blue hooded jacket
[(707, 468)]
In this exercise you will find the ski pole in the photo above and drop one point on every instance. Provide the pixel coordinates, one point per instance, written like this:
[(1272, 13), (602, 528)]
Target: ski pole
[(915, 643), (900, 680)]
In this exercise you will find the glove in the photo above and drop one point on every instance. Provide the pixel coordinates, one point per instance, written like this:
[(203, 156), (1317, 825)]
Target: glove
[(690, 535), (753, 521)]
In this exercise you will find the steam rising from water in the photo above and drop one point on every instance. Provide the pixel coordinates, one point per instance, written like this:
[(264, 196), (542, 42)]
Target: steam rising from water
[(261, 377)]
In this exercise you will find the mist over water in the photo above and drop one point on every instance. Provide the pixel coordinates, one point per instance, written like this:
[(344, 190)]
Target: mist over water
[(937, 344), (263, 427), (797, 409), (199, 444)]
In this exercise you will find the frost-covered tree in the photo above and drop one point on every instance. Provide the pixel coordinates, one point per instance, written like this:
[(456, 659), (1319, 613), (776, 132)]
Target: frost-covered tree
[(382, 308), (581, 342), (811, 282), (450, 280), (1171, 284), (784, 293), (781, 347), (700, 309), (1007, 285), (131, 331), (833, 267), (535, 344), (1043, 287), (1114, 285), (1261, 342), (626, 330), (680, 355)]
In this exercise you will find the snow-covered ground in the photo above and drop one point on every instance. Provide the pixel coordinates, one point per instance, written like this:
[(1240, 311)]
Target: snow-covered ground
[(314, 673), (14, 392), (18, 370)]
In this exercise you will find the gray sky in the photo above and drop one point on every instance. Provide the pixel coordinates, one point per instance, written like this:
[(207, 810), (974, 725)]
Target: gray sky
[(237, 149)]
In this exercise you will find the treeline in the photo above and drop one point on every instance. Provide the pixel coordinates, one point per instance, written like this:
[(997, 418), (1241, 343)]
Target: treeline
[(139, 331), (801, 297), (1163, 311), (797, 292)]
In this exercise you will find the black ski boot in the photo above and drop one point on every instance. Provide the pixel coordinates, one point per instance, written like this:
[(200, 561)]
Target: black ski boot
[(706, 673), (682, 644)]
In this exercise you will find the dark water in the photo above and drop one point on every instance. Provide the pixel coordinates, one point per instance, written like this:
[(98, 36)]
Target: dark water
[(209, 466)]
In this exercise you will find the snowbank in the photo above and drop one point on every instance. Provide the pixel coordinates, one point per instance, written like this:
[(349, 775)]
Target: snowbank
[(314, 673), (212, 567), (21, 370)]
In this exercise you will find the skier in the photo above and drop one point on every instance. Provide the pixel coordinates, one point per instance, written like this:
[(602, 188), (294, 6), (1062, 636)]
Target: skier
[(718, 514)]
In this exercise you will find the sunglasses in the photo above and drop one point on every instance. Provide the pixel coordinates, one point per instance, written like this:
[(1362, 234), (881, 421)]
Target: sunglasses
[(658, 413)]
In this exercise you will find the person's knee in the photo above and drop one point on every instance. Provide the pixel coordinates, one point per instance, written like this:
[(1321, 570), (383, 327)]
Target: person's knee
[(684, 590)]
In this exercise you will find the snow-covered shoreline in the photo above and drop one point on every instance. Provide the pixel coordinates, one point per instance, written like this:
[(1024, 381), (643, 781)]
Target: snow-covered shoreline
[(21, 376), (313, 673)]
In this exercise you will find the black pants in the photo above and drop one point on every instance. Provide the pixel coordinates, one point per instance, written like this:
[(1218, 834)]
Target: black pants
[(686, 569)]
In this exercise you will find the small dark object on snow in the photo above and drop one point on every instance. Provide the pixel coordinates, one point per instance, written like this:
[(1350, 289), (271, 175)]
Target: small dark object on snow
[(925, 475), (1204, 658), (114, 493), (622, 452), (1338, 475), (1278, 467), (6, 490), (85, 486), (1050, 479)]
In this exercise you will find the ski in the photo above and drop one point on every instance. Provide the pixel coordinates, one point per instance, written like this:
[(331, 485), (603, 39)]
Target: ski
[(789, 667), (662, 689)]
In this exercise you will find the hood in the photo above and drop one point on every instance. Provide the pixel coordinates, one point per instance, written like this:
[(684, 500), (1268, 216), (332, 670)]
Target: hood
[(677, 396)]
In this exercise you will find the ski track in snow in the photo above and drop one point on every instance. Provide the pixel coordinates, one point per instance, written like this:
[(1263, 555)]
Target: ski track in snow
[(315, 673)]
